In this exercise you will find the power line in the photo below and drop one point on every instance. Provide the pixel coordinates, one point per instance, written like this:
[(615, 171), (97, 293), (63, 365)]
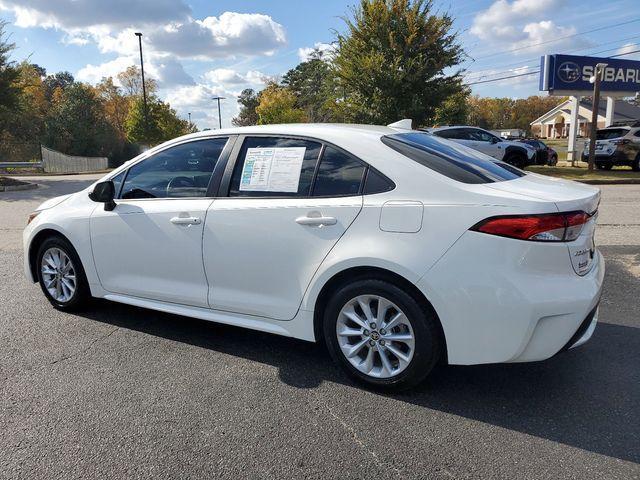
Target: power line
[(480, 77), (557, 39), (519, 63), (538, 71)]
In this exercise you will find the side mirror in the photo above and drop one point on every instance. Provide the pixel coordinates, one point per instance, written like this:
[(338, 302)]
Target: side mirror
[(104, 192), (495, 140)]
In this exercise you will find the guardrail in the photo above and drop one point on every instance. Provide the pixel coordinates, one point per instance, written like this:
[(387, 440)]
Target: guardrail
[(21, 165)]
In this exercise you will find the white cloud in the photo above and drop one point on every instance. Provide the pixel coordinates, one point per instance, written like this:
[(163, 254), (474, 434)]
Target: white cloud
[(228, 35), (225, 76), (305, 52), (68, 14), (166, 71), (628, 48), (523, 26), (197, 100)]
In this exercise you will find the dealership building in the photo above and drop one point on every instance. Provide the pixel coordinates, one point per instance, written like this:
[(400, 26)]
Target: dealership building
[(556, 123)]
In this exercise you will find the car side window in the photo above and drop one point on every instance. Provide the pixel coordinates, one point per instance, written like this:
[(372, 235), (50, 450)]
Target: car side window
[(274, 167), (338, 174), (117, 182), (453, 133), (180, 171), (480, 135)]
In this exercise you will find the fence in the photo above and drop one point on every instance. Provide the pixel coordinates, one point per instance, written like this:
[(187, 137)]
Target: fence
[(35, 156), (56, 162)]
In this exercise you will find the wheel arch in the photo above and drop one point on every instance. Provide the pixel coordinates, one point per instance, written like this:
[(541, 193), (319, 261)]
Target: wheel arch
[(35, 243), (355, 273)]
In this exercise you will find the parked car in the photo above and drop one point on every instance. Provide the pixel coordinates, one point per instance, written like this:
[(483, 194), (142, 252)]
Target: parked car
[(515, 153), (619, 145), (545, 155), (397, 248)]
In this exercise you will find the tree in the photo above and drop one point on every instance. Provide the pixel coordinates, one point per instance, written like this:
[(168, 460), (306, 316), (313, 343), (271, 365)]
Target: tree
[(116, 105), (76, 124), (57, 82), (163, 122), (278, 105), (248, 101), (131, 81), (454, 110), (9, 90), (390, 64), (313, 84)]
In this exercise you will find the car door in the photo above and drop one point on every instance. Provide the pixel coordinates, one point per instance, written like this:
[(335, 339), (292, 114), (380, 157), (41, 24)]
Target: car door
[(486, 143), (289, 201), (150, 245)]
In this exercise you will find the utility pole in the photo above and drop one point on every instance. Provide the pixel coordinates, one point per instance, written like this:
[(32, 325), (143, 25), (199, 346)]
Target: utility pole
[(144, 88), (595, 79), (219, 114)]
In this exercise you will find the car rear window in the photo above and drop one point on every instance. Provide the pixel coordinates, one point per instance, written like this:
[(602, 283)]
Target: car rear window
[(609, 133), (451, 159)]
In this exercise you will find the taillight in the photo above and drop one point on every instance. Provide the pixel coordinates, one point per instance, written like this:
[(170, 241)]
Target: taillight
[(552, 227)]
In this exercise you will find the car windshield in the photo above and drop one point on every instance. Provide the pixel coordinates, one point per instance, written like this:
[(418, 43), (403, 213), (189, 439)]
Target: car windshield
[(609, 133), (451, 159)]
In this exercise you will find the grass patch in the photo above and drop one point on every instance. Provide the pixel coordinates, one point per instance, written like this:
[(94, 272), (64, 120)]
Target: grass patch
[(582, 173), (10, 182)]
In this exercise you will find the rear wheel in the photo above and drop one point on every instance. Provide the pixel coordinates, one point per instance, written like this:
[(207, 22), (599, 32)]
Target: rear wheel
[(380, 335), (61, 275), (605, 166), (636, 164)]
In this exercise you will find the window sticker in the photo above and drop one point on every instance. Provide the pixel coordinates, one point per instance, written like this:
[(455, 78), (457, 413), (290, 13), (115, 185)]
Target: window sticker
[(272, 169)]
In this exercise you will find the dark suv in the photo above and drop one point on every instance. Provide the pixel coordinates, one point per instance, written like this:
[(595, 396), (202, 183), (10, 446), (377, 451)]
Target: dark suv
[(616, 146), (545, 155)]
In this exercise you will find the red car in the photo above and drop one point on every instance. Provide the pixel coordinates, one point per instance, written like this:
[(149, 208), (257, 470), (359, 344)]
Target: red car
[(545, 154)]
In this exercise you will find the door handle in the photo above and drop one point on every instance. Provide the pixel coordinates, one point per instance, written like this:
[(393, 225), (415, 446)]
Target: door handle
[(316, 221), (186, 220)]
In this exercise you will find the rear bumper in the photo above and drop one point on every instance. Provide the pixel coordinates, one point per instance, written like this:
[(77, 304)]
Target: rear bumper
[(504, 300)]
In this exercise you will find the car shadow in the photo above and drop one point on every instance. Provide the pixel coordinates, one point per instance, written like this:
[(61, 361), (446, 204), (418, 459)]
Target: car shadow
[(587, 398)]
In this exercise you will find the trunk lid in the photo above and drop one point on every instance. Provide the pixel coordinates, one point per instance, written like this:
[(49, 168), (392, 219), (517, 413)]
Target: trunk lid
[(568, 196)]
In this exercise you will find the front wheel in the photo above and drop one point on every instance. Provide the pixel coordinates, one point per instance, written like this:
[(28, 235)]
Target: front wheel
[(635, 166), (381, 335), (61, 275)]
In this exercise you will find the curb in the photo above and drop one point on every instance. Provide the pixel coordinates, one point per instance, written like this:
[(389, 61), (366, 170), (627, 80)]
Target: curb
[(18, 188), (622, 181)]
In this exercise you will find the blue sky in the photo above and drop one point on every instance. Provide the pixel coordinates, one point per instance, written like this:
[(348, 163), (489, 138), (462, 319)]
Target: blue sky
[(197, 49)]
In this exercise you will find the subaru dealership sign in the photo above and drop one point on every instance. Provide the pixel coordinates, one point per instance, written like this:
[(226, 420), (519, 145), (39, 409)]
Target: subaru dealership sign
[(569, 75)]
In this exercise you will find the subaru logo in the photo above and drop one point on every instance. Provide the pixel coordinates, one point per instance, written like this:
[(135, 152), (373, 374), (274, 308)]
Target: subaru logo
[(569, 72)]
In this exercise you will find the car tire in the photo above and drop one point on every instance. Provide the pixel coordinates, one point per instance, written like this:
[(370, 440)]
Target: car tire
[(61, 275), (392, 356), (553, 161), (518, 160), (635, 166), (604, 166)]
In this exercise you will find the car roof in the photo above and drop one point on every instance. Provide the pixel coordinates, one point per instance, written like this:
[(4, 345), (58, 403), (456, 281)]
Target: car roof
[(318, 130)]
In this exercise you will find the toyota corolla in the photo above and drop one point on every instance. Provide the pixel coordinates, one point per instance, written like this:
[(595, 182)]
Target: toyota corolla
[(396, 248)]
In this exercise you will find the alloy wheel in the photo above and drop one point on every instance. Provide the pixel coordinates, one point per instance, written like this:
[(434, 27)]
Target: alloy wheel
[(375, 336), (58, 274)]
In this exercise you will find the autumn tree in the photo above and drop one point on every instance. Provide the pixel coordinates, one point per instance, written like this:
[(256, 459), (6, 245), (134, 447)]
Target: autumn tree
[(131, 81), (391, 61), (278, 105), (248, 101), (9, 90)]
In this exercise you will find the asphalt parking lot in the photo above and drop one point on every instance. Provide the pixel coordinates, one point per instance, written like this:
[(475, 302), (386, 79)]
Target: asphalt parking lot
[(119, 391)]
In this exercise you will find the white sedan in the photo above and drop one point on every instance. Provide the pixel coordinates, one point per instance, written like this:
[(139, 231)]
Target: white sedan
[(397, 248)]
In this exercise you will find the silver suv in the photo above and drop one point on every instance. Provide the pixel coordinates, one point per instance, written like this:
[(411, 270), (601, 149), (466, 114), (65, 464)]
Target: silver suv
[(618, 145), (515, 153)]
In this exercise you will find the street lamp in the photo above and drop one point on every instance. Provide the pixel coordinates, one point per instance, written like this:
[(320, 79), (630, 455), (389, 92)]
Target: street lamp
[(219, 114), (144, 89), (595, 79)]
